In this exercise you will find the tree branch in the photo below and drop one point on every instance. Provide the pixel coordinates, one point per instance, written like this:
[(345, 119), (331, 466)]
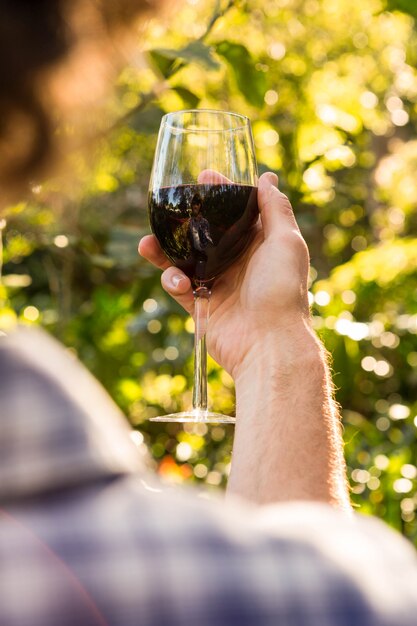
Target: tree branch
[(147, 97)]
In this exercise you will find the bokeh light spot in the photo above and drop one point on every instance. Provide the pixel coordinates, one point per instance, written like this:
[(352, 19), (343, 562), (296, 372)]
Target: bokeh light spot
[(348, 296), (277, 51), (368, 363), (409, 471), (183, 451), (214, 478), (398, 411), (322, 298), (200, 470), (136, 437), (271, 97), (383, 424), (368, 100), (270, 137), (158, 355), (400, 117), (154, 326), (150, 305), (31, 313), (402, 485), (381, 461), (382, 368), (171, 353), (61, 241)]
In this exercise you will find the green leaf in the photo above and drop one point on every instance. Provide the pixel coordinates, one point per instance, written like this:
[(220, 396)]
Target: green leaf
[(198, 52), (195, 52), (251, 82), (147, 122), (406, 6), (190, 99), (163, 61)]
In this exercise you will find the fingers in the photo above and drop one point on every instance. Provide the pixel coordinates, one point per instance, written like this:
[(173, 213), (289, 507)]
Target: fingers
[(178, 286), (175, 282), (150, 249), (275, 208), (211, 177)]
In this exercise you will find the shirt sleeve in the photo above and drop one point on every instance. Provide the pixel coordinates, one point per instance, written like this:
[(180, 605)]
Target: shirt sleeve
[(294, 564)]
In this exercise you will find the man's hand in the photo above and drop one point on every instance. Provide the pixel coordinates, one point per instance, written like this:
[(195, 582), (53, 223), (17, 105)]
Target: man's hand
[(264, 292)]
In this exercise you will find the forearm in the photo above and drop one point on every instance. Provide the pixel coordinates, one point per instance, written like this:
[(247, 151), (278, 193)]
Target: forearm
[(288, 443)]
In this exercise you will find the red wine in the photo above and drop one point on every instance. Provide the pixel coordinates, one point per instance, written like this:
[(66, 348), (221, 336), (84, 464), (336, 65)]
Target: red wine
[(203, 228)]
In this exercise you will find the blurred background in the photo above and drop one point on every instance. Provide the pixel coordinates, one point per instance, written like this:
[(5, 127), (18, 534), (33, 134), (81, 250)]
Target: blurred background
[(331, 89)]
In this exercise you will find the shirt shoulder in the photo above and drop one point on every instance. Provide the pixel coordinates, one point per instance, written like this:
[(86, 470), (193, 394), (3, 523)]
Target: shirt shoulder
[(171, 556), (57, 425)]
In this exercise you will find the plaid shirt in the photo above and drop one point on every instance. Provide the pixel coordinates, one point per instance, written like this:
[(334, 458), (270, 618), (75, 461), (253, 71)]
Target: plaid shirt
[(88, 538)]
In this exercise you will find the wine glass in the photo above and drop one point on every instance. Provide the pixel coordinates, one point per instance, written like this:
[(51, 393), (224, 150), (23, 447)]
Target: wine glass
[(203, 209)]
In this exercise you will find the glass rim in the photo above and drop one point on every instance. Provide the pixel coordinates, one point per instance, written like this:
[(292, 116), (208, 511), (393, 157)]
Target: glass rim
[(165, 121)]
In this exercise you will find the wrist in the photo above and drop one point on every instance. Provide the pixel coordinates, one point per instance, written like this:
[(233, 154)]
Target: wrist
[(278, 349), (281, 369)]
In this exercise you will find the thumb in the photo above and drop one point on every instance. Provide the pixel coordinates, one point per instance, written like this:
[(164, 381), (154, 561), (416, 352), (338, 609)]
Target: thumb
[(275, 208)]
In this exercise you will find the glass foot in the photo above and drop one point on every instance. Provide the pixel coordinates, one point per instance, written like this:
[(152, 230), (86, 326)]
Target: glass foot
[(205, 417)]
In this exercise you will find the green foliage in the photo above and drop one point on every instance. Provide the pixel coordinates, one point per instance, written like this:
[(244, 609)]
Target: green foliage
[(407, 6), (147, 121), (165, 61), (195, 52), (249, 81), (188, 97), (331, 89)]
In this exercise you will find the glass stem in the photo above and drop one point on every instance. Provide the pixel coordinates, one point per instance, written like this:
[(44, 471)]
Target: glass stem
[(201, 316)]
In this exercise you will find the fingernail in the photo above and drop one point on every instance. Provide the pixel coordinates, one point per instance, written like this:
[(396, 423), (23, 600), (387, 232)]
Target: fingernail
[(176, 279), (273, 179)]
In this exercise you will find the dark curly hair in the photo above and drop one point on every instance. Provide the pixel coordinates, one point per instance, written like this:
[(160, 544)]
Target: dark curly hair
[(36, 36)]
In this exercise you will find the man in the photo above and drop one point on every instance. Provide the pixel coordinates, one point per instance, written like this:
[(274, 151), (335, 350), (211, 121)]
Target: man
[(199, 227), (88, 537)]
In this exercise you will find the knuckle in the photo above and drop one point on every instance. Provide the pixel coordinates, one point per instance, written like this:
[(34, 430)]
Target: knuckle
[(285, 204), (294, 243), (294, 238), (278, 200)]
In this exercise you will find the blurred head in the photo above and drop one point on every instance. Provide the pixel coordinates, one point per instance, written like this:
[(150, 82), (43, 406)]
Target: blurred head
[(43, 44), (196, 205)]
